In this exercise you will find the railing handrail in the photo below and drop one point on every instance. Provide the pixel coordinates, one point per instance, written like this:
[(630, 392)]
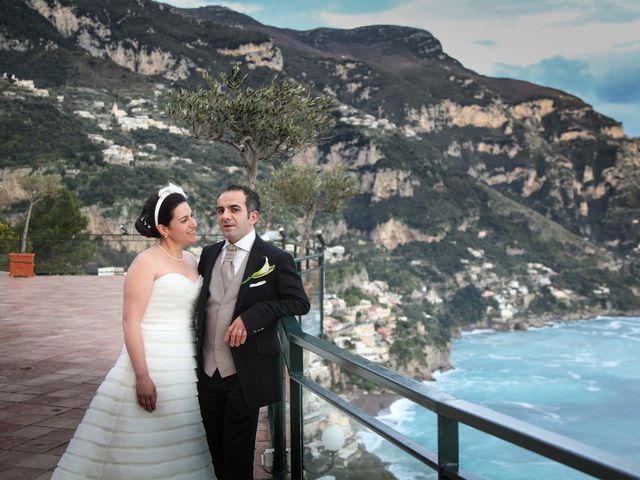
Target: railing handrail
[(590, 460), (310, 256)]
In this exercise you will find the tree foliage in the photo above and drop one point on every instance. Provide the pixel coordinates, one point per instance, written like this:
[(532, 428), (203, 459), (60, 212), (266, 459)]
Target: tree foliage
[(36, 188), (55, 239), (260, 123), (8, 238), (311, 189)]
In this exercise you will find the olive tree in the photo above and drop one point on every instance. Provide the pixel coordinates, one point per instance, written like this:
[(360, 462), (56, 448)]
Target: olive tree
[(261, 123), (36, 188), (310, 188)]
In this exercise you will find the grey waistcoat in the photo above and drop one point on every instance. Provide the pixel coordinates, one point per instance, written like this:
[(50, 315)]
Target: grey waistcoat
[(220, 307)]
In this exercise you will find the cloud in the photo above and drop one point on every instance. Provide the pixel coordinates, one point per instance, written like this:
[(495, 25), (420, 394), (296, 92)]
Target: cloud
[(486, 43), (241, 7), (353, 6), (557, 71), (188, 3), (287, 13), (609, 12)]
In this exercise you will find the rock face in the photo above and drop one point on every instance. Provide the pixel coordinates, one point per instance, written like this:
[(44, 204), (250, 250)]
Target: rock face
[(96, 38), (434, 118), (394, 233), (386, 183), (10, 191), (263, 55), (435, 360)]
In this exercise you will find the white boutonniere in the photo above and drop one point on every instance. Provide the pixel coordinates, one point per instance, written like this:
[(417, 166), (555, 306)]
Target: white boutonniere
[(263, 272)]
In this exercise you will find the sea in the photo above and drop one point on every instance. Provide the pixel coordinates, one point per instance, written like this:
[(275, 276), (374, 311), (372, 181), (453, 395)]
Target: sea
[(580, 379)]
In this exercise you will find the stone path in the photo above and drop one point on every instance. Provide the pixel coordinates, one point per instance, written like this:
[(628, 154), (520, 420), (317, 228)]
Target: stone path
[(59, 335)]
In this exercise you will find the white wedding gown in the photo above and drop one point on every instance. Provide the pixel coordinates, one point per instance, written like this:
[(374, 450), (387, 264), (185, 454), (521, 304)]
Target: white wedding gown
[(117, 438)]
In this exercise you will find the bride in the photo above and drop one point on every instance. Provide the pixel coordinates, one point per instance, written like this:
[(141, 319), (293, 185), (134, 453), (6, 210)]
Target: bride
[(144, 422)]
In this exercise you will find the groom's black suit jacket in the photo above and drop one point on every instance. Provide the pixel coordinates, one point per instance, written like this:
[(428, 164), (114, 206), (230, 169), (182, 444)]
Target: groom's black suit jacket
[(260, 307)]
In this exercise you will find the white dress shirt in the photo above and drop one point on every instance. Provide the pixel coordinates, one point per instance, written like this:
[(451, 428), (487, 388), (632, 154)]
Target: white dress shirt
[(244, 247)]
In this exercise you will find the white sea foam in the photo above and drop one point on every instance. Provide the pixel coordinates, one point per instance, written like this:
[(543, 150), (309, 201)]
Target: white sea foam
[(535, 329), (494, 356), (478, 331), (439, 374), (633, 339), (370, 440), (610, 363), (542, 409), (403, 473), (400, 411)]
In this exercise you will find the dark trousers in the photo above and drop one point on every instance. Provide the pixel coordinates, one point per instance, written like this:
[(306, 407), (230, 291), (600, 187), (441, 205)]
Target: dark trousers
[(230, 426)]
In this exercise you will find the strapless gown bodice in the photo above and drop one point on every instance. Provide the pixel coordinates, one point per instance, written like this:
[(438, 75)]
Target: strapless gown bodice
[(117, 439), (172, 302)]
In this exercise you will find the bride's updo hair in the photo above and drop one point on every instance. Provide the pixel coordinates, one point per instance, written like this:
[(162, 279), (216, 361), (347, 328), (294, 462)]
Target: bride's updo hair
[(146, 224)]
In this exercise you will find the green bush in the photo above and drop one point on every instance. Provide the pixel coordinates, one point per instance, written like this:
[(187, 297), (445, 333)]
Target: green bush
[(54, 230)]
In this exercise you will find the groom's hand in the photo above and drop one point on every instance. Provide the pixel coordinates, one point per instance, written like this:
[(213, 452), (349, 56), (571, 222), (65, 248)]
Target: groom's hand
[(236, 333), (147, 394)]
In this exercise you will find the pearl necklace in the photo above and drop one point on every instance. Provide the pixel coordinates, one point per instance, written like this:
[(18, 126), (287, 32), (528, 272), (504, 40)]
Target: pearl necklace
[(171, 256)]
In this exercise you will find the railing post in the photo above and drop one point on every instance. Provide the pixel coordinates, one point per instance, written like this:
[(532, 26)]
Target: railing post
[(295, 412), (321, 299), (448, 446), (279, 416)]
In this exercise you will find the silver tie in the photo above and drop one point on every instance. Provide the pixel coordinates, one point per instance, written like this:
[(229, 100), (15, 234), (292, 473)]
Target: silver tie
[(227, 269)]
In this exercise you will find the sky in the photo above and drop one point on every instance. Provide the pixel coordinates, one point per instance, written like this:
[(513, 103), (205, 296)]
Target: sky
[(590, 48)]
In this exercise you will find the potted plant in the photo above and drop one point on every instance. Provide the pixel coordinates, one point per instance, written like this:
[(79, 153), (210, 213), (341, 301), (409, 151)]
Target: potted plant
[(36, 188)]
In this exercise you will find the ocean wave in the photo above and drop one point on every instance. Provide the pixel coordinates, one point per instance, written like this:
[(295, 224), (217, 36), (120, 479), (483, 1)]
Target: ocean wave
[(545, 410), (610, 363), (440, 375), (478, 331), (387, 453), (406, 473), (495, 356), (632, 338), (370, 440), (400, 411)]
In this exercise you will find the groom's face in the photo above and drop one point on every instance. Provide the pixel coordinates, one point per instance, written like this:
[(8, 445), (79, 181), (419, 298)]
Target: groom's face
[(233, 218)]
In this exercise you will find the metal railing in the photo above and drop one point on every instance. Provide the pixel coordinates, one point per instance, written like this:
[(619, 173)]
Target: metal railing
[(450, 411), (61, 254)]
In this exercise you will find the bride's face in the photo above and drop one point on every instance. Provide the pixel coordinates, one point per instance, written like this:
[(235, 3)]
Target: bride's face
[(182, 228)]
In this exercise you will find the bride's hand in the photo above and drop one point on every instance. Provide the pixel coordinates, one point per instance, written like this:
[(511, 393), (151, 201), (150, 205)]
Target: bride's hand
[(146, 392)]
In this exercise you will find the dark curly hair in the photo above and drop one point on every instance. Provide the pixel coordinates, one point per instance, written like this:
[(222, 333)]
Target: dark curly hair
[(146, 224), (252, 199)]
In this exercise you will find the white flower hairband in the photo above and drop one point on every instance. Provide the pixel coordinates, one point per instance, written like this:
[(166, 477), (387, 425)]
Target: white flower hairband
[(164, 193)]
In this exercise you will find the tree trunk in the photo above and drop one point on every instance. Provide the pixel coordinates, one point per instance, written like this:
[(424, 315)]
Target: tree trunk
[(306, 230), (251, 167), (25, 231)]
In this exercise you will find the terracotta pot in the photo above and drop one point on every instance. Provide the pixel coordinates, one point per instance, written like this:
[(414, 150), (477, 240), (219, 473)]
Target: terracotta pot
[(21, 264)]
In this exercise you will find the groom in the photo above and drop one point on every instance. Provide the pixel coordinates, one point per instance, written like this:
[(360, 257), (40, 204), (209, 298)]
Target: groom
[(248, 285)]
